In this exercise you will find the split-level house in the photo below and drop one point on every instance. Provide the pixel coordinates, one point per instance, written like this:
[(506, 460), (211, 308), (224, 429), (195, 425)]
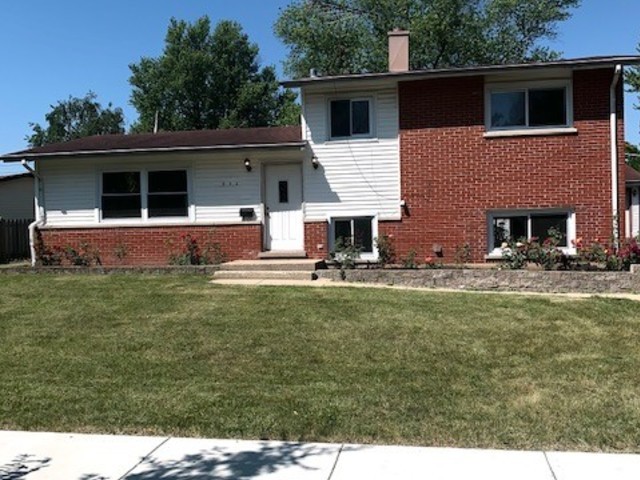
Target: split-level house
[(440, 161)]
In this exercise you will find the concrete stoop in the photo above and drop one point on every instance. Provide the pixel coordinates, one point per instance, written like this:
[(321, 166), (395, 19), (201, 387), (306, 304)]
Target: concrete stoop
[(286, 269)]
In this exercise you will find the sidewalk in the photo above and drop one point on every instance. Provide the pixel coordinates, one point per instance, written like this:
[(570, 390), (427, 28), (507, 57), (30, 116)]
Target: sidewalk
[(54, 456)]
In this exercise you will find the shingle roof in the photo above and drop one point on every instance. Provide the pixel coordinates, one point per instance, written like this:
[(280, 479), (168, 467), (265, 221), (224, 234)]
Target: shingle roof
[(167, 141), (584, 62), (632, 175)]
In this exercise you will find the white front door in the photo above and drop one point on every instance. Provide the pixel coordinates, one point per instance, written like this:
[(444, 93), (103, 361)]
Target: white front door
[(285, 229)]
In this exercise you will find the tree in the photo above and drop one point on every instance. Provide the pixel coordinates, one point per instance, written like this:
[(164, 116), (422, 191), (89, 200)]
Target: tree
[(76, 118), (632, 153), (208, 79), (350, 36), (632, 79)]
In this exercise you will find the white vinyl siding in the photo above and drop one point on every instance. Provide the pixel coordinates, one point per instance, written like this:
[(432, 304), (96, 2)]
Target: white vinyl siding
[(219, 186), (354, 174), (222, 188), (69, 192)]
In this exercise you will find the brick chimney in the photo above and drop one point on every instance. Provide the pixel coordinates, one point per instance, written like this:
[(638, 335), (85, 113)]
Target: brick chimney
[(399, 51)]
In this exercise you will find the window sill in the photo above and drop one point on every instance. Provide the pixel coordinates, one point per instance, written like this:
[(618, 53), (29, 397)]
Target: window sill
[(530, 132), (344, 141), (188, 223)]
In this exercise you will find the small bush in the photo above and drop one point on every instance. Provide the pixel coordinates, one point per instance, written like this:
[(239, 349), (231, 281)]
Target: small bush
[(192, 252), (82, 256), (463, 254), (431, 263), (345, 255), (386, 250), (410, 260), (607, 256)]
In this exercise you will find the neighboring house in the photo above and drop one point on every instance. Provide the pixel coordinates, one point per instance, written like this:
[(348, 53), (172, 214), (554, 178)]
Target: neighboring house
[(632, 218), (16, 197), (437, 159)]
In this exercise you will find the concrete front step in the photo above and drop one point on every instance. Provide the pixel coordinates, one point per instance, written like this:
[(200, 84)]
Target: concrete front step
[(273, 265), (283, 254), (264, 275)]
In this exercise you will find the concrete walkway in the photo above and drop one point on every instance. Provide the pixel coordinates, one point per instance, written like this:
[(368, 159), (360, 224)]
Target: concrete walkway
[(54, 456), (323, 282)]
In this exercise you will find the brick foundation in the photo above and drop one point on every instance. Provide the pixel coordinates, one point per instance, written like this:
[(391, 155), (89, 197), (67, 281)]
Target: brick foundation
[(154, 245), (451, 175), (315, 235)]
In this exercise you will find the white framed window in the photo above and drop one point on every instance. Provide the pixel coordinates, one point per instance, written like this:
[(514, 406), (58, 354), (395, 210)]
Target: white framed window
[(350, 118), (358, 230), (168, 193), (528, 106), (519, 225), (121, 195), (144, 195)]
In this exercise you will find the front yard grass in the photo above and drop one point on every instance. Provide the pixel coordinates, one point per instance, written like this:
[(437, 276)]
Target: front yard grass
[(175, 355)]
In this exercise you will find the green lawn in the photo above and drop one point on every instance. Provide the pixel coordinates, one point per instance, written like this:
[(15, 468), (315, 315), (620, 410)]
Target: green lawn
[(175, 355)]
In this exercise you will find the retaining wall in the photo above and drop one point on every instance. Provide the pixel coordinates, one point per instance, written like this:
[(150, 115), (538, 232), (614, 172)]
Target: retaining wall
[(500, 280)]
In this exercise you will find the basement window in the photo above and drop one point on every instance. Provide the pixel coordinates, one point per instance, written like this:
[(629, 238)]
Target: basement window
[(358, 231), (526, 225), (350, 118)]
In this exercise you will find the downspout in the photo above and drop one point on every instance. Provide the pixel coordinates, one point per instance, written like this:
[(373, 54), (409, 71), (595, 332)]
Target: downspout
[(39, 209), (614, 155)]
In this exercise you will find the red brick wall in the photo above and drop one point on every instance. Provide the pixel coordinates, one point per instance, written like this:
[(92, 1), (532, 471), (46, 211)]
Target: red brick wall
[(154, 245), (315, 235), (451, 176)]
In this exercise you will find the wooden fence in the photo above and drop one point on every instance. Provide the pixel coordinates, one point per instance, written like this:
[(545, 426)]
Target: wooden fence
[(14, 239)]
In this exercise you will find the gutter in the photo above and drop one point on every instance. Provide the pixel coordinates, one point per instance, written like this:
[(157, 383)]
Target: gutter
[(40, 212), (116, 151), (614, 155)]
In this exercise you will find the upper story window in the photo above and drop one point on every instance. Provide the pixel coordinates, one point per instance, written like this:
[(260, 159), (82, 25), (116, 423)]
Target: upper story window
[(141, 195), (529, 106), (350, 118)]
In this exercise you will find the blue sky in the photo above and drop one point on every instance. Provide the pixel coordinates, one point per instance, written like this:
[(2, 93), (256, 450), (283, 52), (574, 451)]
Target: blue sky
[(51, 50)]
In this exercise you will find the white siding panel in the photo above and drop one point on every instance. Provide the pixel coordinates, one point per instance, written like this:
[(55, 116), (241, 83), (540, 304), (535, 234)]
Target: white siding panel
[(223, 187), (70, 193), (219, 185), (360, 175)]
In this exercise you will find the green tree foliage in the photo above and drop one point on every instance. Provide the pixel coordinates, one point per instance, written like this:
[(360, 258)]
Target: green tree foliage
[(349, 36), (633, 155), (76, 118), (632, 78), (208, 79)]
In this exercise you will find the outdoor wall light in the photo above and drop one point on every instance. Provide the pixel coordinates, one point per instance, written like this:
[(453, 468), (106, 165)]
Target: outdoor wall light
[(247, 164), (315, 162)]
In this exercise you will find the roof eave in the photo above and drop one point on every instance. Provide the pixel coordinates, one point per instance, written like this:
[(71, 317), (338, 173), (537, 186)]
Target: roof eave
[(17, 157), (467, 71)]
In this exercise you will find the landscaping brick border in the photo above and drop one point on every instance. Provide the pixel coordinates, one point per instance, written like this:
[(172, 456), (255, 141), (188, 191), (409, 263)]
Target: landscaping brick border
[(495, 280), (132, 270)]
